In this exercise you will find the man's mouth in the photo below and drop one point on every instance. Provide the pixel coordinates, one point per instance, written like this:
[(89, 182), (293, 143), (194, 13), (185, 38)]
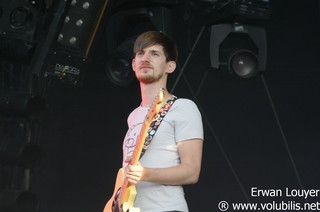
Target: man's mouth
[(145, 67)]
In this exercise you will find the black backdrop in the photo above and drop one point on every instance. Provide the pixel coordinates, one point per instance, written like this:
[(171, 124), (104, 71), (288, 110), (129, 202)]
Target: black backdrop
[(251, 140)]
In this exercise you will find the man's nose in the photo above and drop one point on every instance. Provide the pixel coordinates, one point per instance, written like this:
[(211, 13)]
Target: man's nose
[(146, 57)]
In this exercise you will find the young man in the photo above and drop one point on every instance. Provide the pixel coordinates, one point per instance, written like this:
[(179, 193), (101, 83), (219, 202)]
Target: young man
[(173, 157)]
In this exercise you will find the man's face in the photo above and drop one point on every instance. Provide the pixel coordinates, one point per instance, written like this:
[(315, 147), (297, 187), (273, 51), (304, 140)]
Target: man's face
[(150, 64)]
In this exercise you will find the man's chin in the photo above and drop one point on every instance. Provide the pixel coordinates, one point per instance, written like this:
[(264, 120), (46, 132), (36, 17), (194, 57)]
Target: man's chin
[(146, 80)]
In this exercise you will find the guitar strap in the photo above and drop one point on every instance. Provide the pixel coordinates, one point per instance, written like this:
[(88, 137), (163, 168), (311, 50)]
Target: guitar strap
[(156, 122)]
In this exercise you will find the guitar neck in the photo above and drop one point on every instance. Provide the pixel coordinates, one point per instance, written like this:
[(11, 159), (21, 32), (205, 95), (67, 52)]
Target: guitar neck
[(140, 143), (135, 159)]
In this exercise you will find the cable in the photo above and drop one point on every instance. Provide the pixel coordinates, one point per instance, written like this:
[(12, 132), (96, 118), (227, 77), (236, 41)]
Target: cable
[(188, 58), (206, 119), (281, 131)]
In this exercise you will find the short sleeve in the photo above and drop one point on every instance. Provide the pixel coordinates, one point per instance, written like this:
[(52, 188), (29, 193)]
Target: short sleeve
[(188, 121)]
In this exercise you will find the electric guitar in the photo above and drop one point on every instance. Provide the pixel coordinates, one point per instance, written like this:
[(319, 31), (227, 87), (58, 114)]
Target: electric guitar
[(124, 193)]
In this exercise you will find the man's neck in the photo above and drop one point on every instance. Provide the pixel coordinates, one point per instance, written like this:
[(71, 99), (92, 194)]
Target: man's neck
[(149, 92)]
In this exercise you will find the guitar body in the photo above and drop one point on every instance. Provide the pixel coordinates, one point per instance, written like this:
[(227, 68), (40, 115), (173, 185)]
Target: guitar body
[(124, 193), (129, 196)]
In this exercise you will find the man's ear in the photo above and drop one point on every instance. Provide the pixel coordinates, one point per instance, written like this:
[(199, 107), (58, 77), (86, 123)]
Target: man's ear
[(133, 64), (171, 66)]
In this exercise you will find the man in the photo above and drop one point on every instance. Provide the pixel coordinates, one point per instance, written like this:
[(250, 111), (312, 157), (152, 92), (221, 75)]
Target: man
[(173, 157)]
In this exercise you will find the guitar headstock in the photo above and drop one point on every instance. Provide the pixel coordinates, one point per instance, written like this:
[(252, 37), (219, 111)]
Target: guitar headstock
[(155, 106)]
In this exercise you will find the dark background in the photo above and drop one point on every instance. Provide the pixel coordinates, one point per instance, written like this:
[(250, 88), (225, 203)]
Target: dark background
[(261, 132)]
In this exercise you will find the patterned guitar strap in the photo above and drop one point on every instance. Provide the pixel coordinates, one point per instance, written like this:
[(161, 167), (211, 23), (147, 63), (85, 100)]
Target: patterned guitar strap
[(151, 132), (156, 122)]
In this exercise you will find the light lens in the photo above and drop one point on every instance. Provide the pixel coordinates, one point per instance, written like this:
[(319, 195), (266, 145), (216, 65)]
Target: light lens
[(244, 63)]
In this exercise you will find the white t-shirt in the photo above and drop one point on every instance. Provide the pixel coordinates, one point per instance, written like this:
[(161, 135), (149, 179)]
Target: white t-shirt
[(182, 122)]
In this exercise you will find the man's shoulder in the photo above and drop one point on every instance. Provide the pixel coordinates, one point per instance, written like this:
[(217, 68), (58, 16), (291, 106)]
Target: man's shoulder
[(185, 104), (185, 101)]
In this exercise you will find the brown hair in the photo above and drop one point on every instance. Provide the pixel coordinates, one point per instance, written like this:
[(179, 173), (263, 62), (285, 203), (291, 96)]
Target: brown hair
[(151, 38)]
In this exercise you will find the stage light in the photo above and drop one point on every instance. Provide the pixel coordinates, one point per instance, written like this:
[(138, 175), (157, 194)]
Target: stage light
[(239, 50), (126, 25), (119, 70), (244, 11), (16, 200), (19, 28), (207, 2), (22, 104), (23, 155), (20, 19)]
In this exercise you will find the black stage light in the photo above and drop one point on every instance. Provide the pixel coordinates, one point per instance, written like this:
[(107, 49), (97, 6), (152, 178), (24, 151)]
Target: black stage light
[(16, 200), (23, 155), (20, 19), (239, 50), (126, 25), (24, 104), (20, 22), (244, 11), (119, 70)]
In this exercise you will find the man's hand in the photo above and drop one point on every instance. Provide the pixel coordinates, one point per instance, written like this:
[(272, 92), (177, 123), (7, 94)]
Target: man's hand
[(134, 173)]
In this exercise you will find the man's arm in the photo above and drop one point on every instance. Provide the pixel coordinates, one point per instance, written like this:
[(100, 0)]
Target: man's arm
[(187, 172)]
